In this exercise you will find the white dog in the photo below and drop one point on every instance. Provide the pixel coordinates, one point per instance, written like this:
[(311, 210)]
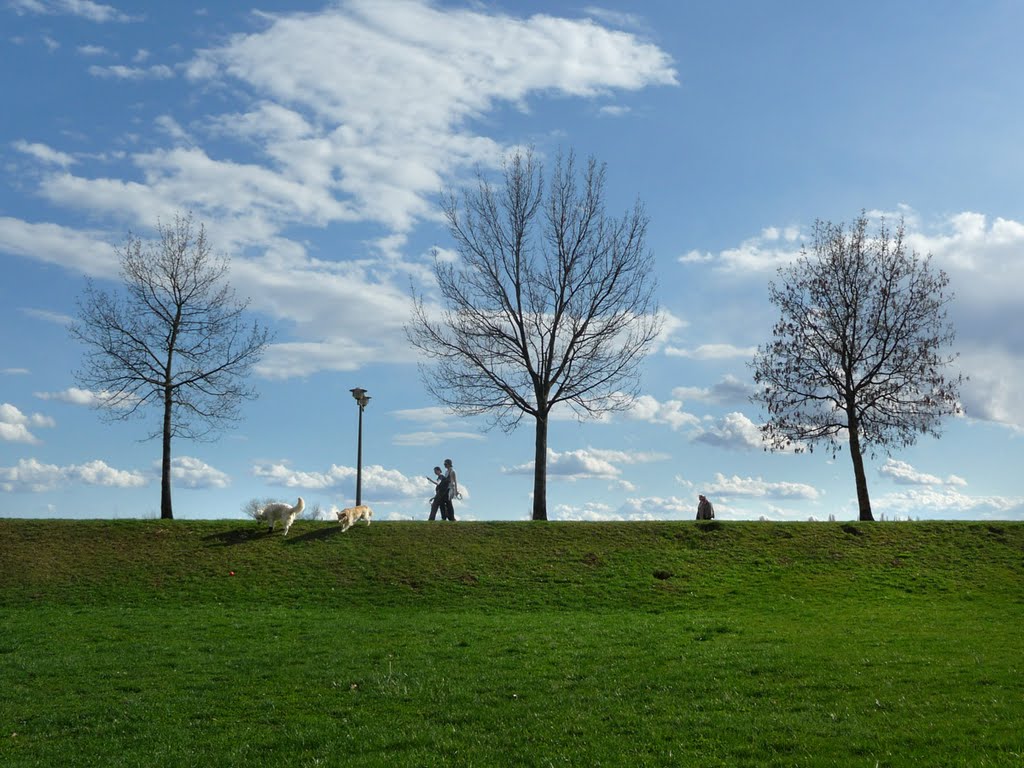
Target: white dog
[(351, 515), (282, 511)]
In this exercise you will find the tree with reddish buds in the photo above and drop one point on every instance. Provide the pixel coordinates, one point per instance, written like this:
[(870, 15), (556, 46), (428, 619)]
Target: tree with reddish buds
[(861, 352)]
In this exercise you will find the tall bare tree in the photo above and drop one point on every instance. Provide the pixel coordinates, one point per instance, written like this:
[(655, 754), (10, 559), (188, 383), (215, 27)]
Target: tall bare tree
[(551, 302), (861, 350), (176, 340)]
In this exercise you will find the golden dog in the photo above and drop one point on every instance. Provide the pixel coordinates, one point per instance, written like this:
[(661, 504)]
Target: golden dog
[(351, 515)]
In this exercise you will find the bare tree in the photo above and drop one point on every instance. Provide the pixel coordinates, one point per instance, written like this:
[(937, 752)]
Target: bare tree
[(860, 350), (551, 302), (175, 340)]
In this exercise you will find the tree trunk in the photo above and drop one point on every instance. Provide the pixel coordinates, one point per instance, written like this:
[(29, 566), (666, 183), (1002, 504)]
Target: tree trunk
[(165, 464), (863, 502), (540, 471)]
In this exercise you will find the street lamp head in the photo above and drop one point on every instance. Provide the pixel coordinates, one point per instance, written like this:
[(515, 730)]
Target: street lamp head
[(360, 396)]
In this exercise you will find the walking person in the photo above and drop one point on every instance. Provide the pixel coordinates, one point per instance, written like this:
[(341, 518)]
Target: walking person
[(447, 508), (440, 493), (704, 509)]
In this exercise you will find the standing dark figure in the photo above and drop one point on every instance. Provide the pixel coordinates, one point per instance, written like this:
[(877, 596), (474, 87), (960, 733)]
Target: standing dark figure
[(447, 509), (704, 509), (440, 494)]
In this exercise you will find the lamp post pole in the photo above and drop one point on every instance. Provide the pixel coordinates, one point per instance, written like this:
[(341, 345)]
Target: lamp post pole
[(362, 398)]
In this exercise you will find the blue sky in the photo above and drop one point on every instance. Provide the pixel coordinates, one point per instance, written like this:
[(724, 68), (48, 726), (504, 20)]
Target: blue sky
[(313, 139)]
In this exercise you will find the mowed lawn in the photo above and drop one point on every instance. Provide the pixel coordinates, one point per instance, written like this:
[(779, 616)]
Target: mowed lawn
[(211, 643)]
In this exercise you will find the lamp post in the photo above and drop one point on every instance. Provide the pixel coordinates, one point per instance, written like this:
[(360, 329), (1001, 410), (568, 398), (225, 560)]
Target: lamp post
[(362, 398)]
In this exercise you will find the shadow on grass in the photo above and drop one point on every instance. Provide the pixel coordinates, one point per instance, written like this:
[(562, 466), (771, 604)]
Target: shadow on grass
[(319, 534), (235, 537)]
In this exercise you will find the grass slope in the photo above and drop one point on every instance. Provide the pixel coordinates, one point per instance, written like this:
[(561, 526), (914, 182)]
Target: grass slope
[(137, 643)]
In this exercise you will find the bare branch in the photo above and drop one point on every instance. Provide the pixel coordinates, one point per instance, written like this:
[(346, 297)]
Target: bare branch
[(176, 338), (859, 350), (552, 301)]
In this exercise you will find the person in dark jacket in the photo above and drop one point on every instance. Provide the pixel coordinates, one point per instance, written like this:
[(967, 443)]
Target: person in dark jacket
[(704, 509), (440, 494), (452, 486)]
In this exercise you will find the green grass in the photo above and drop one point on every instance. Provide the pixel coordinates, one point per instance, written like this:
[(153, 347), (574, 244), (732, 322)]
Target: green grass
[(129, 643)]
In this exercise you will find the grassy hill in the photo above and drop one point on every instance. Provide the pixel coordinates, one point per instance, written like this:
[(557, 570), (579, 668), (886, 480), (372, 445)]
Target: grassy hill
[(723, 643)]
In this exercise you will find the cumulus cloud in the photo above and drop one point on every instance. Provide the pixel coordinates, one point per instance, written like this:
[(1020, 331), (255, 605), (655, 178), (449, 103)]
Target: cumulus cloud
[(655, 508), (773, 248), (123, 72), (902, 473), (189, 472), (633, 509), (32, 476), (947, 502), (649, 409), (44, 154), (15, 426), (388, 145), (83, 251), (359, 112), (77, 396), (712, 352), (756, 487), (379, 484), (729, 390), (86, 9), (984, 258), (733, 431), (590, 463), (433, 437)]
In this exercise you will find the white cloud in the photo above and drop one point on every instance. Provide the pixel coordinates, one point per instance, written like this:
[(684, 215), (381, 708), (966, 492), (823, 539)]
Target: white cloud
[(903, 473), (733, 431), (15, 426), (56, 318), (433, 415), (86, 9), (32, 476), (393, 100), (431, 438), (189, 472), (647, 408), (123, 72), (378, 483), (756, 487), (85, 252), (590, 511), (762, 254), (361, 112), (947, 503), (76, 396), (655, 508), (589, 463), (44, 154), (729, 390), (984, 258), (712, 352)]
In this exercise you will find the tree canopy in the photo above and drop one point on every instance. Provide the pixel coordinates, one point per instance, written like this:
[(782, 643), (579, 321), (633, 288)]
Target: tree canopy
[(549, 303), (175, 339), (861, 352)]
